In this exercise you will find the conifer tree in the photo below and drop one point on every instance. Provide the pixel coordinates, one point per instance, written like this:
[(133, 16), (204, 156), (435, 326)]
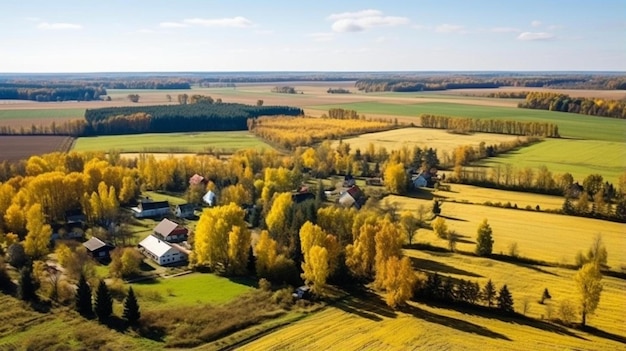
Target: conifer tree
[(505, 300), (489, 293), (131, 308), (104, 303), (83, 298), (27, 286)]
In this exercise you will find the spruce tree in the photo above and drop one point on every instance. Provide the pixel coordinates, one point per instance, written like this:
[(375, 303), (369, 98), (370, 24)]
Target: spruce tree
[(484, 240), (27, 286), (131, 308), (83, 298), (251, 262), (104, 302), (505, 300), (489, 293)]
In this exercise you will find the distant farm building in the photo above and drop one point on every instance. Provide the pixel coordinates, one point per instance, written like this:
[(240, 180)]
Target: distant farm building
[(151, 209), (353, 197)]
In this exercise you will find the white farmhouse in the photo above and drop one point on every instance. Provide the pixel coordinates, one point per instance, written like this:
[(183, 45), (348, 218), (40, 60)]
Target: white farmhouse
[(161, 251)]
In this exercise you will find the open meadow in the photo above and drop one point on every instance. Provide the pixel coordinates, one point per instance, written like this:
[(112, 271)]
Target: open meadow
[(578, 157), (357, 324), (439, 139), (571, 125), (539, 235), (172, 142)]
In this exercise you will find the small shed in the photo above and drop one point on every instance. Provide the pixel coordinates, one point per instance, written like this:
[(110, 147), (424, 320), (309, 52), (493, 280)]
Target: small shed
[(210, 198), (185, 210), (97, 248)]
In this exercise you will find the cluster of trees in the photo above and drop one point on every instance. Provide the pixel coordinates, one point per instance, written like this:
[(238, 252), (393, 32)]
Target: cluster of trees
[(177, 118), (74, 127), (508, 94), (284, 90), (101, 303), (425, 84), (565, 103), (290, 133), (147, 84), (338, 91), (467, 125), (447, 290), (50, 93)]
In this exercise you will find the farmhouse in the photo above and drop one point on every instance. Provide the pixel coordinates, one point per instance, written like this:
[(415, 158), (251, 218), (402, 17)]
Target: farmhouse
[(151, 209), (352, 197), (185, 210), (97, 248), (170, 231), (161, 251)]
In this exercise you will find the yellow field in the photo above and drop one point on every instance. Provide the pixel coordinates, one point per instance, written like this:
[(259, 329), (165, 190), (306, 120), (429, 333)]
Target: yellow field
[(478, 195), (542, 236), (423, 137), (357, 325)]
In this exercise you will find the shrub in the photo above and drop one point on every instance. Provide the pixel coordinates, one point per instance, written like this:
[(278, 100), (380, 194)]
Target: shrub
[(567, 312), (265, 284)]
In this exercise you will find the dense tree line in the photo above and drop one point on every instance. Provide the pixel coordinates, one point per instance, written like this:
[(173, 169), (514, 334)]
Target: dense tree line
[(338, 91), (177, 118), (509, 94), (147, 84), (468, 125), (51, 93), (565, 103), (430, 82), (284, 90)]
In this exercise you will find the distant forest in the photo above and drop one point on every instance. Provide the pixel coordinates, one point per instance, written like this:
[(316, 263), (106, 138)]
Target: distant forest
[(178, 118), (565, 103), (452, 81)]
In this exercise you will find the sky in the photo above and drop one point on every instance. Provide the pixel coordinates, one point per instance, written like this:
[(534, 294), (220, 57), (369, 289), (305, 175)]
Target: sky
[(408, 35)]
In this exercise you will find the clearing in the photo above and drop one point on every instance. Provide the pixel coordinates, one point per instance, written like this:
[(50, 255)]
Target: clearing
[(438, 139)]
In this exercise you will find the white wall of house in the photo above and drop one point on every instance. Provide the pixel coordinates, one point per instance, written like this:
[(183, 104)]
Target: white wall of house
[(171, 256)]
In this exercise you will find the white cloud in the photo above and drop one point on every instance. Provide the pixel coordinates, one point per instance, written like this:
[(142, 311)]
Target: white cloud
[(59, 25), (238, 22), (450, 28), (362, 20), (530, 36), (322, 36), (535, 23), (172, 25), (505, 30)]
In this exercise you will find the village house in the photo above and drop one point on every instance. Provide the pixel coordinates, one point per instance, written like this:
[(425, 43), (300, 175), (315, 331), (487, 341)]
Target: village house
[(171, 231), (185, 211), (197, 179), (352, 197), (98, 249), (151, 209), (210, 198), (162, 252)]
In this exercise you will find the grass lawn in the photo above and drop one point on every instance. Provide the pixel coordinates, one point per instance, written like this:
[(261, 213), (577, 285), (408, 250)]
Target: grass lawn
[(543, 236), (190, 289), (41, 114), (172, 142), (578, 157), (570, 124)]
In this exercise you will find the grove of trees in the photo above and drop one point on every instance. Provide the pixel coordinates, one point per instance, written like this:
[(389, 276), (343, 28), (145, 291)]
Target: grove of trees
[(564, 103)]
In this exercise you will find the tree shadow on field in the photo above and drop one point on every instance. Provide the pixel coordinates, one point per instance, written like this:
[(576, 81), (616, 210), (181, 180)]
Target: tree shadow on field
[(366, 304), (454, 323), (441, 268), (453, 218), (605, 335)]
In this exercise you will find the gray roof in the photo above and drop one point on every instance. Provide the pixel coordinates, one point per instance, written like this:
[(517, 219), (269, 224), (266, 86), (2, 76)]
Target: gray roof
[(187, 207), (155, 245), (94, 244), (166, 227)]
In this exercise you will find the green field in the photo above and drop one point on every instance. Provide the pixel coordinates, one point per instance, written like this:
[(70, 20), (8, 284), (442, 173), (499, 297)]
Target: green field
[(7, 115), (570, 125), (191, 289), (578, 157), (172, 142)]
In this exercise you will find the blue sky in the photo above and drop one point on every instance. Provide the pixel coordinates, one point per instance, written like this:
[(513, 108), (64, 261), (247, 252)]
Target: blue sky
[(188, 35)]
